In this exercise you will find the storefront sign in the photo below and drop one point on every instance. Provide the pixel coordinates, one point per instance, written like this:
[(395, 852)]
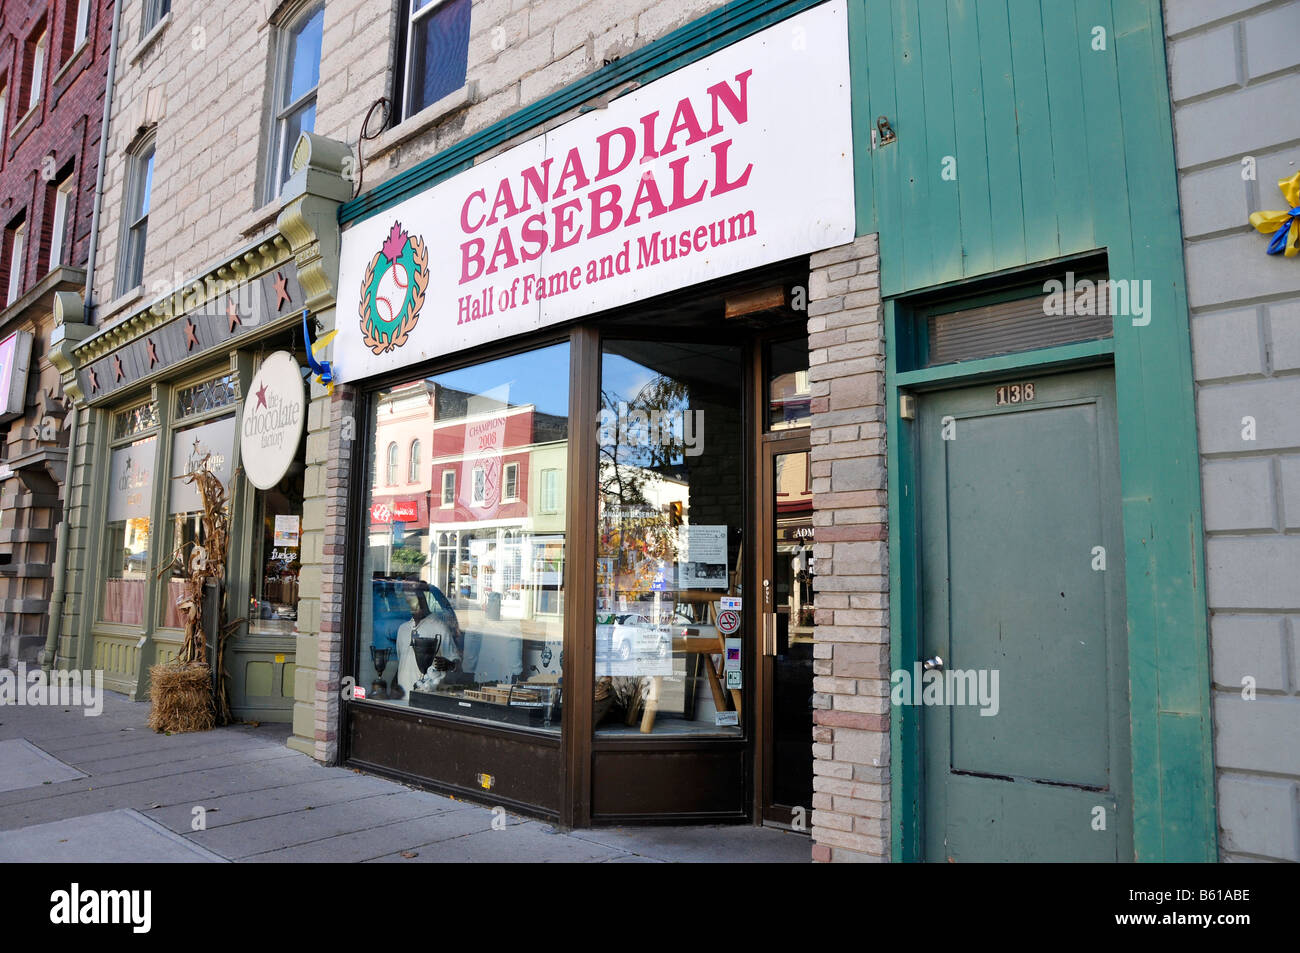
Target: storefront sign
[(211, 447), (741, 159), (130, 475), (275, 412), (407, 511), (15, 359)]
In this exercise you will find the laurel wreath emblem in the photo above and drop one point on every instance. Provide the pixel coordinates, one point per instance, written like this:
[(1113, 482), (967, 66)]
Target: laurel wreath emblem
[(411, 310)]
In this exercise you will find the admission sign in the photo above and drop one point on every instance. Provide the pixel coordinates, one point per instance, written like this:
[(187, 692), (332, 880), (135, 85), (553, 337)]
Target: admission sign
[(741, 159)]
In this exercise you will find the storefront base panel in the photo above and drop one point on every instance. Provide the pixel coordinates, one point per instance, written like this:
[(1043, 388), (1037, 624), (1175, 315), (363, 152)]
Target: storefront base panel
[(516, 770), (648, 787)]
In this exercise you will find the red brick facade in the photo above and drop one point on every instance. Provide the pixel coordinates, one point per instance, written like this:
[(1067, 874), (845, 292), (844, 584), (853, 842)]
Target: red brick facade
[(45, 144), (64, 126)]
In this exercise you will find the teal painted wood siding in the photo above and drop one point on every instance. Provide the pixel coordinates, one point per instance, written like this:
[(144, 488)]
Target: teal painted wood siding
[(1060, 149)]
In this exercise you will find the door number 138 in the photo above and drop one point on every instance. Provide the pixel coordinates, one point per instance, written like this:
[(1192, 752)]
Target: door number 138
[(1014, 393)]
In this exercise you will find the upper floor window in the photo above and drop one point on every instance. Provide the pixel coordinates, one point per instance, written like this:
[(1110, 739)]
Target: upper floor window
[(154, 11), (297, 74), (390, 474), (448, 487), (4, 106), (510, 482), (136, 222), (59, 221), (37, 79), (434, 51), (17, 238), (81, 25), (413, 466)]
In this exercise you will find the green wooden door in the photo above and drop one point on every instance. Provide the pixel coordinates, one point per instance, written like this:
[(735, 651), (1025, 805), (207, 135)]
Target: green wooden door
[(1022, 597)]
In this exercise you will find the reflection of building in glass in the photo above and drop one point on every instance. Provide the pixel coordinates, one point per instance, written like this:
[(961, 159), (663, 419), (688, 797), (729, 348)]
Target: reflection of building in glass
[(470, 497)]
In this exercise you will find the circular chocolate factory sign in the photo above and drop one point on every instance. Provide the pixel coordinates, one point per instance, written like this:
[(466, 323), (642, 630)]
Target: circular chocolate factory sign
[(275, 412)]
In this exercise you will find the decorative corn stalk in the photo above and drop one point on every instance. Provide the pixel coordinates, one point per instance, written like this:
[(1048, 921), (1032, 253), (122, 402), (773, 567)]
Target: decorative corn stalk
[(206, 559)]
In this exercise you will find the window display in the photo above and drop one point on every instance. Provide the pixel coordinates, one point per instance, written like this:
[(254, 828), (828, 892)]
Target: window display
[(126, 536), (670, 519), (209, 445), (273, 594), (465, 564)]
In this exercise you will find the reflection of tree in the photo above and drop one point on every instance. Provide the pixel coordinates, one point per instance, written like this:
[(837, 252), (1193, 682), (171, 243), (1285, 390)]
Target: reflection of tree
[(407, 560), (638, 445)]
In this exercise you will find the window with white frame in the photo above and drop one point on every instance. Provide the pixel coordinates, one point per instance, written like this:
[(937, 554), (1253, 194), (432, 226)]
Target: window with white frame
[(448, 487), (297, 74), (38, 70), (17, 237), (135, 224), (413, 465), (478, 493), (550, 491), (154, 11), (4, 107), (59, 225), (390, 472), (434, 51), (82, 28), (510, 483)]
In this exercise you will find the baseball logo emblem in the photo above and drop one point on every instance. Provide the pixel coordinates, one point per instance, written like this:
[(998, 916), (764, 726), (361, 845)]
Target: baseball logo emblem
[(392, 291)]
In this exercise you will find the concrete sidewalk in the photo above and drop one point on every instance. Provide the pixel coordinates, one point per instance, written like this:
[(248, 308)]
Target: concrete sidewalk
[(93, 789)]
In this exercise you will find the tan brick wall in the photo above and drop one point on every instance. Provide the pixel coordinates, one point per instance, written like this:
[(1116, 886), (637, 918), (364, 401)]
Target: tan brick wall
[(203, 80), (519, 51), (850, 819)]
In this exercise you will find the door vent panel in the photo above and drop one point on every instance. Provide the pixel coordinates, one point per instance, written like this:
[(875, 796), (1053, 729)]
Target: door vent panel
[(1021, 325)]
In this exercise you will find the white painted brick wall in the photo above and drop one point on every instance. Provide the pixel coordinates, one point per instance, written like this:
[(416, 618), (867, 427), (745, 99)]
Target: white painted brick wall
[(1235, 80)]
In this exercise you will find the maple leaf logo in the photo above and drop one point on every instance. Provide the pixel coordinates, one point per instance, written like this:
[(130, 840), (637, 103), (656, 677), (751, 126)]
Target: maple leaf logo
[(395, 243)]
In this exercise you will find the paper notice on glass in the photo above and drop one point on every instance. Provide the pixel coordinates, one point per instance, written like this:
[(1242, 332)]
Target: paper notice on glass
[(286, 531), (702, 557)]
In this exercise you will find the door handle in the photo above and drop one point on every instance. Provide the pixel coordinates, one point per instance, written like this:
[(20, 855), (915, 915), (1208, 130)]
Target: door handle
[(934, 664), (769, 634)]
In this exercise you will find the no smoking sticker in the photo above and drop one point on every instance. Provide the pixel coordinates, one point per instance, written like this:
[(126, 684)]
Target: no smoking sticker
[(728, 622)]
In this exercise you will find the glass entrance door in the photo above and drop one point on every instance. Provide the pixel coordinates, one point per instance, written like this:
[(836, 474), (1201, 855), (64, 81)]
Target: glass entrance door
[(788, 586)]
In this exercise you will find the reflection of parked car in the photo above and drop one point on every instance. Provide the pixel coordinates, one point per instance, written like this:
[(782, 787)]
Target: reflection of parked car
[(631, 635)]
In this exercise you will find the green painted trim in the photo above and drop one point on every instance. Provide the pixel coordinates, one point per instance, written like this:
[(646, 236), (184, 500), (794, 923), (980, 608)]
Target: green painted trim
[(905, 755), (1039, 360), (1129, 196), (694, 41)]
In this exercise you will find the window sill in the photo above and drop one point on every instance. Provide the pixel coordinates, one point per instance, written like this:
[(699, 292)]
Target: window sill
[(25, 125), (422, 122), (260, 219), (118, 305), (147, 41), (73, 60)]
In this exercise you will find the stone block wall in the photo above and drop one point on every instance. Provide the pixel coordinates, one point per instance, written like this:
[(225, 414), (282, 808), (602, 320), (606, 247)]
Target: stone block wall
[(850, 818), (1235, 79)]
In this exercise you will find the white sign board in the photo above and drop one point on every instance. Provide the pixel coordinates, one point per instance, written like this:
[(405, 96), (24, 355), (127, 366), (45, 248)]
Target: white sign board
[(211, 446), (739, 160), (275, 413), (15, 360)]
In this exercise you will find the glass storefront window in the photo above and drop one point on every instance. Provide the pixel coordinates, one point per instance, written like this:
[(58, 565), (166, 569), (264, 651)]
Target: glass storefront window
[(670, 520), (211, 445), (465, 567), (273, 595), (126, 536), (789, 391)]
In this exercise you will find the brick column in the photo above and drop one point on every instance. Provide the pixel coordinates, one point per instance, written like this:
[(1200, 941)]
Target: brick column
[(850, 820)]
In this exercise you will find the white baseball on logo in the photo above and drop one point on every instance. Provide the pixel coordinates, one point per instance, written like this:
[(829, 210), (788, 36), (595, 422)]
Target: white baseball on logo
[(391, 293)]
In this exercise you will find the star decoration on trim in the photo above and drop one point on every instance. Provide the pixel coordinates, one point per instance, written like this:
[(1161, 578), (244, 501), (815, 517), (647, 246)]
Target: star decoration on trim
[(191, 335), (153, 352), (261, 396), (94, 381), (281, 291), (233, 314), (118, 371)]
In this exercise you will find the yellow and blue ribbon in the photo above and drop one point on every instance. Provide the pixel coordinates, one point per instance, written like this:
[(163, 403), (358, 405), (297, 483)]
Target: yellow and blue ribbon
[(1284, 225), (323, 370)]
